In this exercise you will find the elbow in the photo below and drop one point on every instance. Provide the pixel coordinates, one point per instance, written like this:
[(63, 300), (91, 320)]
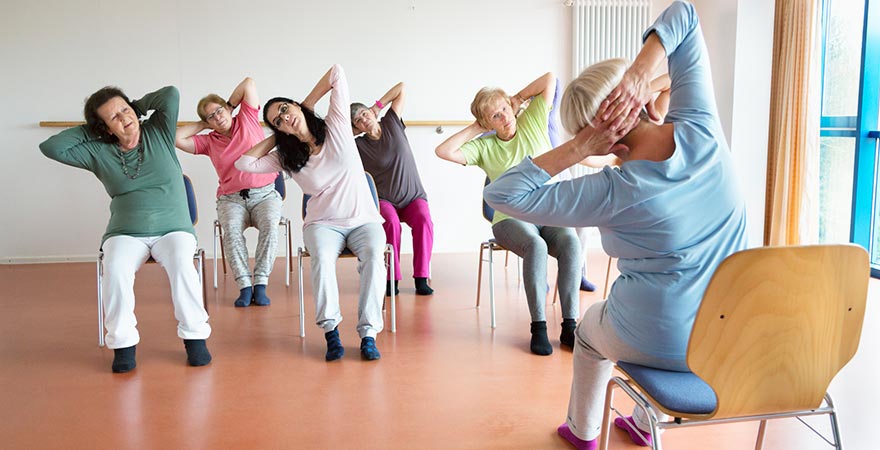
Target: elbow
[(496, 198)]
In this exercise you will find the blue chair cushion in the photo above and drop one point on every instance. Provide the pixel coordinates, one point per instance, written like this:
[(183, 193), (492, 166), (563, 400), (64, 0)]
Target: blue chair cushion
[(676, 391)]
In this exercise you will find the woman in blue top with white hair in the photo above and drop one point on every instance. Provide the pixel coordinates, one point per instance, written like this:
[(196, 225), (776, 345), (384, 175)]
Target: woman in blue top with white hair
[(670, 213)]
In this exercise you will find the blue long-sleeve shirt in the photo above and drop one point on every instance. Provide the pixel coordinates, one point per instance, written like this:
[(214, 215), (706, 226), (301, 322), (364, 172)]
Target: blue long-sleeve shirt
[(669, 223)]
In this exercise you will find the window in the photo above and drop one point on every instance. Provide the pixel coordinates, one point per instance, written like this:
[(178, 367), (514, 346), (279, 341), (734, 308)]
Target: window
[(848, 200)]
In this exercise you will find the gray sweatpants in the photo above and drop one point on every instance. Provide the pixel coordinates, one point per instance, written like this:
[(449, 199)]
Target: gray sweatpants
[(533, 243), (596, 345), (325, 244), (262, 210)]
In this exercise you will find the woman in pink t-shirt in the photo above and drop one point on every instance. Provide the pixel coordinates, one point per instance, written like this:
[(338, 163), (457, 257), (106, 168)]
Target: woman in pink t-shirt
[(244, 199), (321, 156)]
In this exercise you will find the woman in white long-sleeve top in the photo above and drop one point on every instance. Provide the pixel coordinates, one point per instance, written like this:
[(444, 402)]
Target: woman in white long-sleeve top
[(322, 157), (671, 212)]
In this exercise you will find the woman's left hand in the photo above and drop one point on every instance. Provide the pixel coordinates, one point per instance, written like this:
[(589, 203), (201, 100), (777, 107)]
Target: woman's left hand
[(603, 138)]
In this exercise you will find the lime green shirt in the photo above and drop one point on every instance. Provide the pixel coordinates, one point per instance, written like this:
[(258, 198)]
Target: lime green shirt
[(495, 156), (154, 203)]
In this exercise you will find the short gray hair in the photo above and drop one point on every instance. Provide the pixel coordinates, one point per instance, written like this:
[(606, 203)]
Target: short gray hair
[(584, 94)]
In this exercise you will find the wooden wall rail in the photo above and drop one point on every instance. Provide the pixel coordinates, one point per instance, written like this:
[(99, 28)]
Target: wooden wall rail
[(409, 123)]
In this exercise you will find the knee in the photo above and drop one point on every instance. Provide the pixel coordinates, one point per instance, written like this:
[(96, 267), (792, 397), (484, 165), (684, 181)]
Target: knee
[(536, 246)]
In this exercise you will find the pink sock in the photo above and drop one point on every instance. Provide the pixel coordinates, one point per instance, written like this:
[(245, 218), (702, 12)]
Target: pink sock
[(639, 437), (578, 443)]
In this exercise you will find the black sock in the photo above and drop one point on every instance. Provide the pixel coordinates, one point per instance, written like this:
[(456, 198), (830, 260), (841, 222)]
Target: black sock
[(335, 350), (567, 335), (197, 352), (123, 359), (540, 345), (388, 288), (369, 350), (422, 287)]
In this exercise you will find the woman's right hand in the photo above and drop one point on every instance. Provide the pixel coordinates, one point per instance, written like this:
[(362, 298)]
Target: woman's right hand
[(633, 92)]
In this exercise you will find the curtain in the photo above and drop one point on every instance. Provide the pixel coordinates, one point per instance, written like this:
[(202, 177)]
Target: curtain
[(792, 199)]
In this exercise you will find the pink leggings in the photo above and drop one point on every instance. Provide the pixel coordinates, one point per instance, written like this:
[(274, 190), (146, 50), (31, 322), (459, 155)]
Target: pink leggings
[(418, 217)]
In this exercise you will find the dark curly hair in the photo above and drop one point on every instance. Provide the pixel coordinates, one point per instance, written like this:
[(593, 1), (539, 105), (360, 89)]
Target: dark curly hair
[(94, 122), (293, 153)]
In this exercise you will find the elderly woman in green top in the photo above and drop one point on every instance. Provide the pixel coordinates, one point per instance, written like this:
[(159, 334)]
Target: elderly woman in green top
[(515, 138), (137, 164)]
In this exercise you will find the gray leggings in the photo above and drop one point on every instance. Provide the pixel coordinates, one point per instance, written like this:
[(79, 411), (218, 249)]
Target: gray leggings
[(533, 243), (262, 209)]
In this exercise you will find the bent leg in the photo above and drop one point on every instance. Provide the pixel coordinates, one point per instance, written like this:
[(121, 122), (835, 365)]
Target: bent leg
[(123, 256), (265, 214), (174, 251), (368, 243), (324, 244), (418, 216), (524, 239), (234, 219), (392, 232), (563, 244)]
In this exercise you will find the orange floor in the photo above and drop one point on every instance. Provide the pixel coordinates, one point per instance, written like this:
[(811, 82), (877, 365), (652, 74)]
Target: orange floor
[(446, 380)]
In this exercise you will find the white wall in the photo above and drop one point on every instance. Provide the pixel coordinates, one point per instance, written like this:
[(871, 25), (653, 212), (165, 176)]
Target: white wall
[(57, 52)]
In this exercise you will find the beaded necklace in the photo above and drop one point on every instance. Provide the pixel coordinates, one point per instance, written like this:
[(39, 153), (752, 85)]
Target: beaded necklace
[(137, 169)]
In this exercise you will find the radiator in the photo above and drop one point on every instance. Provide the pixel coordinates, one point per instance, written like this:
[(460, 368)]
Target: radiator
[(604, 29)]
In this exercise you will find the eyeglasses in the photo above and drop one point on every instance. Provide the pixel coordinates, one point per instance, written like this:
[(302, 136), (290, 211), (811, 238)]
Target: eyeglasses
[(214, 114), (282, 110)]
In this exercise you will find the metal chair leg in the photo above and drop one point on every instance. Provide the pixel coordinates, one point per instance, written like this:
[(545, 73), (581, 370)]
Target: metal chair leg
[(216, 225), (302, 319), (100, 272), (491, 287), (480, 272), (286, 227), (389, 256)]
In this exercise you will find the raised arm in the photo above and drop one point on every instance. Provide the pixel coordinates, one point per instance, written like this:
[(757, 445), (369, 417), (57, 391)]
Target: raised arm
[(545, 86), (183, 139), (396, 97), (597, 144), (165, 104), (659, 105), (70, 147), (319, 91), (245, 91), (450, 149), (258, 160)]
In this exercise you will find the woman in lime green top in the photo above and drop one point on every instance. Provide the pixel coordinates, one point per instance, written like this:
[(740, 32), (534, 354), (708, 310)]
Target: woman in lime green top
[(137, 164), (515, 138)]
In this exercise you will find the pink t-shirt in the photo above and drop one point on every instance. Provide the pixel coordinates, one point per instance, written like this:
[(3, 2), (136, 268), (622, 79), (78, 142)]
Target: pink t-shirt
[(334, 177), (225, 150)]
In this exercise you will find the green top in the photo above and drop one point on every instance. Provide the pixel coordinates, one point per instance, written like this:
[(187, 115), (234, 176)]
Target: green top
[(495, 156), (154, 203)]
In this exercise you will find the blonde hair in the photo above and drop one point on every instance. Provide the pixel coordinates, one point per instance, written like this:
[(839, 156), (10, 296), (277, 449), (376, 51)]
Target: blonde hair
[(584, 94), (482, 99), (210, 98)]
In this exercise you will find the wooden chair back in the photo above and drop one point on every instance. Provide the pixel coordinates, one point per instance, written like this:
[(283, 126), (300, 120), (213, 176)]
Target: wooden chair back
[(777, 324)]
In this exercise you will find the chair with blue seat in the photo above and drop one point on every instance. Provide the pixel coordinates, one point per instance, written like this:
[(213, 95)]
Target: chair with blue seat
[(199, 258), (775, 325), (283, 222), (302, 252)]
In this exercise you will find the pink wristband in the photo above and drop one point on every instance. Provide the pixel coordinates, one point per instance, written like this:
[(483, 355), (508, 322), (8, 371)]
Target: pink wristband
[(379, 104)]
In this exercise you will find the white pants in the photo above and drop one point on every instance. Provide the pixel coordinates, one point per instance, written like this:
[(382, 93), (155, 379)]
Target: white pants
[(367, 242), (596, 345), (123, 256)]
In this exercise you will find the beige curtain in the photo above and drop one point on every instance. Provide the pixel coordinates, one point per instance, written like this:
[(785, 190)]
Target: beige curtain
[(791, 212)]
